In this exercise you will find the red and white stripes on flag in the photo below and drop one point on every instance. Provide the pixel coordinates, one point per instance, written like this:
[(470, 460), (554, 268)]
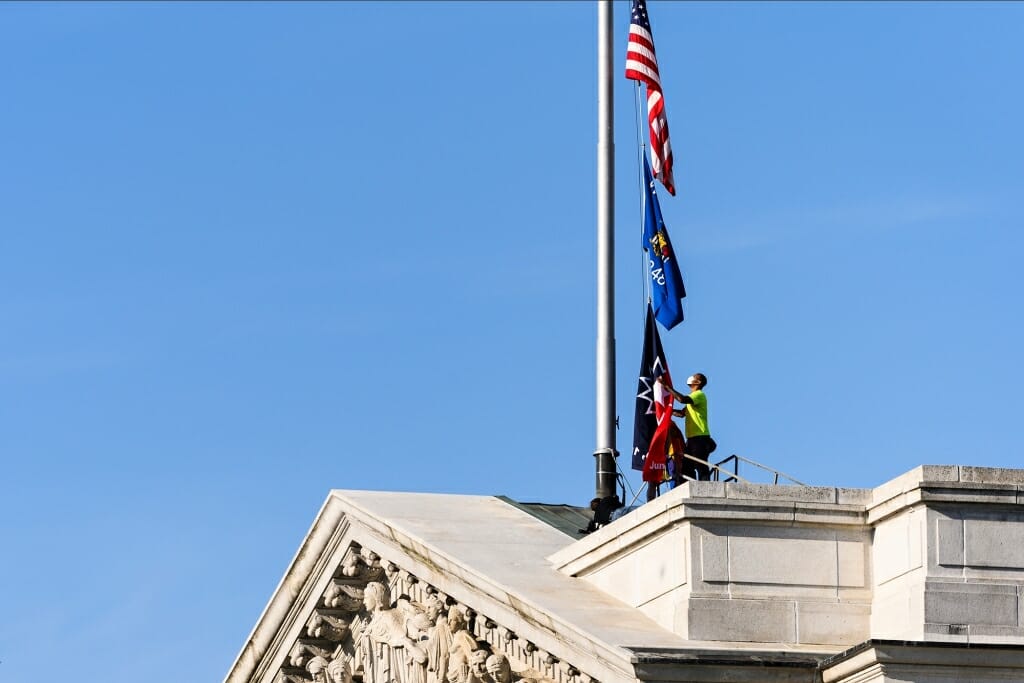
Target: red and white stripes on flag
[(642, 65), (655, 466)]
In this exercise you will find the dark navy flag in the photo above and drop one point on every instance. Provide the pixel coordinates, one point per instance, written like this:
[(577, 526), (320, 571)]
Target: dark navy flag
[(650, 398), (667, 289)]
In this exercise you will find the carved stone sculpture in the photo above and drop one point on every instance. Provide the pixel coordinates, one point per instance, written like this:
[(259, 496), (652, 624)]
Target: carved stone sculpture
[(478, 666), (338, 672), (499, 669), (326, 627), (439, 640), (317, 667), (385, 651), (303, 652), (461, 649), (342, 596), (351, 565), (357, 634), (324, 671)]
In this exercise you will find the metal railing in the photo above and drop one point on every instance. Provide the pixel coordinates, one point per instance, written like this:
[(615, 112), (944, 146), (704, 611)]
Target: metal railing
[(718, 471)]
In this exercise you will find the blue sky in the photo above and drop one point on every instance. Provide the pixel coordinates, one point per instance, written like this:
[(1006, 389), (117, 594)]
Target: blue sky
[(253, 252)]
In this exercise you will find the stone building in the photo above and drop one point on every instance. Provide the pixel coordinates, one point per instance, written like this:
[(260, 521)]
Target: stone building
[(918, 580)]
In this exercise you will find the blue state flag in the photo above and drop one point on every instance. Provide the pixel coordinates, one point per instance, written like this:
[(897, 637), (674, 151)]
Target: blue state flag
[(667, 289)]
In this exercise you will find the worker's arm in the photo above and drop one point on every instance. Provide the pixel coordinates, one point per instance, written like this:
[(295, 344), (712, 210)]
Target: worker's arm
[(679, 397)]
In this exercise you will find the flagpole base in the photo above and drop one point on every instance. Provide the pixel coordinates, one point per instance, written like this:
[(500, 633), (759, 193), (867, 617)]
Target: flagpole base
[(606, 472)]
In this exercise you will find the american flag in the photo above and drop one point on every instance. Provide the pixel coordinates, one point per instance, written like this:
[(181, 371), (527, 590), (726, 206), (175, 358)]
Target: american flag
[(642, 65)]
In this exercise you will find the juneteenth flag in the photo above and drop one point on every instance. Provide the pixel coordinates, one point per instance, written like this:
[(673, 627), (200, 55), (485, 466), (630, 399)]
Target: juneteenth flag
[(653, 413), (642, 65), (667, 290)]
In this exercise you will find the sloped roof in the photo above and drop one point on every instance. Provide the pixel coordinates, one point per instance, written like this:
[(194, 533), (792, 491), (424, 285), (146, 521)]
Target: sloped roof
[(568, 519)]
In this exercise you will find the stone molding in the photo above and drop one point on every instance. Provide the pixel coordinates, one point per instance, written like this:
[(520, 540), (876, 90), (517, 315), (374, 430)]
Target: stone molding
[(880, 661), (960, 485)]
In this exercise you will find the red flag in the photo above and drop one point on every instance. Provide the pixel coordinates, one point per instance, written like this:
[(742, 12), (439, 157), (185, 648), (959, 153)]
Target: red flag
[(642, 65), (654, 464)]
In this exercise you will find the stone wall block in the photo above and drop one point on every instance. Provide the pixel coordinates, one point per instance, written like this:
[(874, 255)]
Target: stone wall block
[(662, 609), (651, 570), (897, 546), (858, 497), (991, 475), (769, 492), (830, 623), (852, 552), (661, 565), (939, 473), (714, 557), (758, 621), (705, 489), (617, 578), (969, 604), (897, 610), (994, 543), (949, 542), (768, 558)]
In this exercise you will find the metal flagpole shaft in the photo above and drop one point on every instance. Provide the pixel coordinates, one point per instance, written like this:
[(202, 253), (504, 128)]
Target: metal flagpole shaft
[(605, 452)]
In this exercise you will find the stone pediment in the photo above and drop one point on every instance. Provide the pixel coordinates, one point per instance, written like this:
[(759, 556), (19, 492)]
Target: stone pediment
[(422, 588)]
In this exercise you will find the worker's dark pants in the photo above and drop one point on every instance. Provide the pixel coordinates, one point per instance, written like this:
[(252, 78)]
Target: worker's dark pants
[(700, 447)]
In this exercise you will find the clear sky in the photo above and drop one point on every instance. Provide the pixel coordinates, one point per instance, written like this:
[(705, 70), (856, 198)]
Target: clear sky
[(253, 252)]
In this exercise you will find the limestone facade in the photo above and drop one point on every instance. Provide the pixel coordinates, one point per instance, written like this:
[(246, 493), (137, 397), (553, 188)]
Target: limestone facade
[(918, 580)]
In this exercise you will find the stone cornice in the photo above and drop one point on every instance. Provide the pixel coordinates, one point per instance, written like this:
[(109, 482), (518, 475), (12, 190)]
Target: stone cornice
[(946, 484)]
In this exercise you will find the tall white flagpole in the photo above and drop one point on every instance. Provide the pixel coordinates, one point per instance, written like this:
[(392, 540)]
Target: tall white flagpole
[(605, 453)]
